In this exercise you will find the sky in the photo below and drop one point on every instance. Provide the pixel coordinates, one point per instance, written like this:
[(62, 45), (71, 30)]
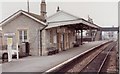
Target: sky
[(103, 12)]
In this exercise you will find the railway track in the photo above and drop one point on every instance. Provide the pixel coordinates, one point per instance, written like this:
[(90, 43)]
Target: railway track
[(92, 61), (98, 62)]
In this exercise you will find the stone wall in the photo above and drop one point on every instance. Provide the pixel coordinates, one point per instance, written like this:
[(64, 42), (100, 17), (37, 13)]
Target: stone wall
[(24, 22)]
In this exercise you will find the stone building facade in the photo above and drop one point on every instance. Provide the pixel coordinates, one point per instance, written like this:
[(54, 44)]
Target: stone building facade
[(42, 32), (25, 28)]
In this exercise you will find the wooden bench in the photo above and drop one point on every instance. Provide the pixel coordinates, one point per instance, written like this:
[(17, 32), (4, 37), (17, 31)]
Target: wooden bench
[(76, 44), (52, 50)]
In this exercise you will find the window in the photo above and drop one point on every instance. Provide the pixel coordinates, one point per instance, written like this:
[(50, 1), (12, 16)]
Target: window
[(23, 35), (20, 35)]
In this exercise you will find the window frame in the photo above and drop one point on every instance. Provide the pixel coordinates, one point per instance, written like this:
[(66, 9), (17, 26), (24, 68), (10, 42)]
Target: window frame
[(23, 39)]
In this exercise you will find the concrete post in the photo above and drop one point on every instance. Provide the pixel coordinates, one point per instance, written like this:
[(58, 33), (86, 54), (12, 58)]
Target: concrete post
[(9, 48)]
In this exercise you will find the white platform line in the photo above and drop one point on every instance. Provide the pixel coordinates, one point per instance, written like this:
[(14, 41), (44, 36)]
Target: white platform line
[(65, 62)]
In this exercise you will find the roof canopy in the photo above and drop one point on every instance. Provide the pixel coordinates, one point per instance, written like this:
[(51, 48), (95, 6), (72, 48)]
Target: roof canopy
[(62, 18), (76, 23)]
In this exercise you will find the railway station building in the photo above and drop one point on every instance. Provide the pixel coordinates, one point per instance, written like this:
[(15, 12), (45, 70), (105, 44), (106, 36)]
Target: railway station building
[(64, 30), (61, 31)]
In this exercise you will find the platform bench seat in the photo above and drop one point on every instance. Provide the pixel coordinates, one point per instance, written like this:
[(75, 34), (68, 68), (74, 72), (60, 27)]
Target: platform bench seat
[(52, 50)]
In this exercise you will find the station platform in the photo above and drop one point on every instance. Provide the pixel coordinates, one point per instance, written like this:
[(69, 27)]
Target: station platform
[(44, 63)]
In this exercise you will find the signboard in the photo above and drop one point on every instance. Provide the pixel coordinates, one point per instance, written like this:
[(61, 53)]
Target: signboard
[(9, 41), (9, 34)]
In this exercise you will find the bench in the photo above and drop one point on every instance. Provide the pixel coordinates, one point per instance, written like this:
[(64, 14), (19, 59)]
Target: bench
[(76, 44), (52, 50)]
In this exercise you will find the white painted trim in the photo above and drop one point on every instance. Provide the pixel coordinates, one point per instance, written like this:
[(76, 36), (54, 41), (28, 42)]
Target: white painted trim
[(11, 17), (61, 11), (23, 36), (61, 23), (16, 14), (23, 40), (67, 61), (89, 24)]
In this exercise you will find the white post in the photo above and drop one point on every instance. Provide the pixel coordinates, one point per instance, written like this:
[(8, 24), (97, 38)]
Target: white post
[(17, 50), (9, 48)]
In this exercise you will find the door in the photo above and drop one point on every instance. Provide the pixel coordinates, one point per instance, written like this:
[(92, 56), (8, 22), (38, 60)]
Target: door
[(23, 41)]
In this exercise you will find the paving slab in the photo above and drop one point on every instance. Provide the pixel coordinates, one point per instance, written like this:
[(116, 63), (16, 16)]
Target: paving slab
[(43, 63)]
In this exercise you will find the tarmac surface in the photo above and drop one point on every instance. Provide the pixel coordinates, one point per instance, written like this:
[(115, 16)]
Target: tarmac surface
[(44, 63)]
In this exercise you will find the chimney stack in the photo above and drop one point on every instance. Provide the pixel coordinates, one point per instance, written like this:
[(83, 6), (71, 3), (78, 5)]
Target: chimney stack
[(58, 9), (28, 8), (43, 8)]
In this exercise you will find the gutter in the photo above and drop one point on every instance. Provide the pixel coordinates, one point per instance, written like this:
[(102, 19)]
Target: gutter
[(41, 40)]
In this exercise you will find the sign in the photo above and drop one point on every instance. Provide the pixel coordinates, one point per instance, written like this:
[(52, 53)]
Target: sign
[(9, 34), (9, 41)]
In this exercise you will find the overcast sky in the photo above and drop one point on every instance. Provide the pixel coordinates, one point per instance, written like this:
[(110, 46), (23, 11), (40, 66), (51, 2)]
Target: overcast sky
[(102, 13)]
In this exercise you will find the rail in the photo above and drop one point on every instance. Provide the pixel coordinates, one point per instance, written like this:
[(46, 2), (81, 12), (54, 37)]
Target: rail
[(61, 65)]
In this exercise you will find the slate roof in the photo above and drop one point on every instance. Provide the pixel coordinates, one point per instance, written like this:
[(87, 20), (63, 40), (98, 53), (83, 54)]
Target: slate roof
[(36, 16), (69, 22), (39, 17)]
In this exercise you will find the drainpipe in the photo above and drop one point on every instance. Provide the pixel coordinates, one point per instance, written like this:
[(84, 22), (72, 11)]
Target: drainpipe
[(2, 39), (41, 39), (118, 38)]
